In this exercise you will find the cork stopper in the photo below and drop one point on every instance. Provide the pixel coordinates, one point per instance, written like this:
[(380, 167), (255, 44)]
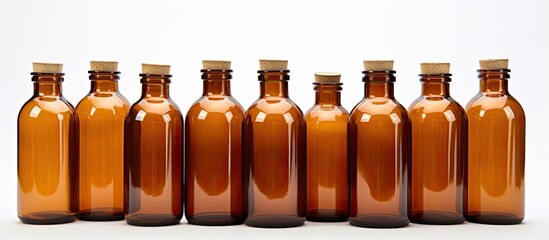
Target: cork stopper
[(47, 67), (273, 65), (327, 77), (435, 68), (155, 69), (384, 65), (216, 64), (494, 64), (103, 66)]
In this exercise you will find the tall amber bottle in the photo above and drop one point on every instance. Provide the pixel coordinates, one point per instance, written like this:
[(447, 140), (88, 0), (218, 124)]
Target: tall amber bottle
[(153, 153), (47, 151), (327, 167), (213, 150), (439, 150), (379, 133), (274, 152), (495, 174), (101, 116)]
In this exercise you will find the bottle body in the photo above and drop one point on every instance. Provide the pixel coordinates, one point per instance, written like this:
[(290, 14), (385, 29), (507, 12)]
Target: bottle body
[(47, 155), (439, 146), (274, 143), (495, 170), (379, 133), (327, 166), (101, 122), (153, 157), (213, 163)]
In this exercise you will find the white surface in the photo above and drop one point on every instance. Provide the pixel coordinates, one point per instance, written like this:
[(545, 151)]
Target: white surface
[(314, 36)]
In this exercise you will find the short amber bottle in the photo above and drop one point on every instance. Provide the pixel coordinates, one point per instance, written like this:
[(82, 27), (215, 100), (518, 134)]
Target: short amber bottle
[(47, 151), (274, 153), (379, 133), (439, 150), (495, 174), (213, 150), (101, 116), (153, 153), (327, 166)]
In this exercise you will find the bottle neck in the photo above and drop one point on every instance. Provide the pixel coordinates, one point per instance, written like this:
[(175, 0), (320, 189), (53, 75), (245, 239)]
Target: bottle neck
[(494, 81), (379, 84), (435, 85), (216, 82), (155, 86), (104, 81), (47, 84), (328, 94), (273, 83)]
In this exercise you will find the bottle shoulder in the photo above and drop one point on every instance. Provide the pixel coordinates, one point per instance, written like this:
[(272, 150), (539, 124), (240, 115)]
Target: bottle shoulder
[(435, 105), (47, 106), (379, 106), (274, 107), (505, 105), (112, 102), (151, 108), (319, 112), (216, 105)]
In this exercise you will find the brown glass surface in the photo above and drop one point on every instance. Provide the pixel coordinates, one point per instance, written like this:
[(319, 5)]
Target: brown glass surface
[(327, 188), (213, 163), (495, 182), (101, 114), (47, 166), (379, 133), (439, 146), (153, 157), (275, 157)]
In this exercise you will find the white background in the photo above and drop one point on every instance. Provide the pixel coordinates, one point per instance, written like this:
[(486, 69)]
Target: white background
[(313, 36)]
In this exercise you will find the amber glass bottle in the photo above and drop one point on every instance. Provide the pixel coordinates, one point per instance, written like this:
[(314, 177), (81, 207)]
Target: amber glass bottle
[(379, 138), (326, 121), (153, 153), (213, 150), (495, 174), (101, 115), (274, 153), (439, 150), (47, 151)]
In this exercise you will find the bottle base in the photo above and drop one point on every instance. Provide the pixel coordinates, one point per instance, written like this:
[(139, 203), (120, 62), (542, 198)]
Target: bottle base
[(436, 217), (215, 219), (379, 221), (326, 215), (275, 221), (43, 218), (101, 214), (495, 218), (152, 220)]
